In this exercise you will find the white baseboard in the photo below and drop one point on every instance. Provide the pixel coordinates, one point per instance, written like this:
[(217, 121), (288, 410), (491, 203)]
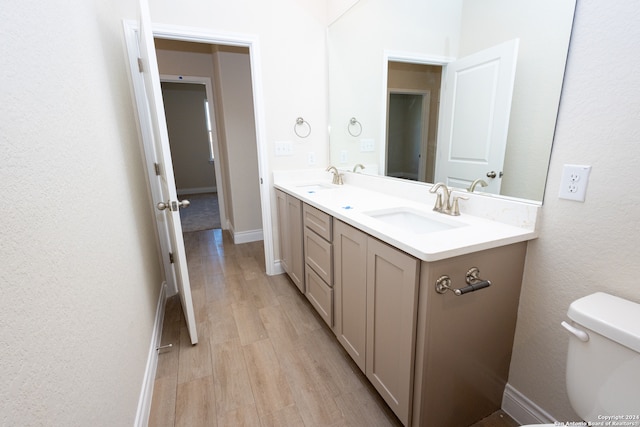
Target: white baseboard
[(245, 236), (522, 409), (144, 402), (277, 268), (197, 190)]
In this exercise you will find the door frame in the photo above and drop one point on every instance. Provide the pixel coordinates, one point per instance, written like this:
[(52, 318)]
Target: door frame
[(196, 35), (411, 58), (206, 81)]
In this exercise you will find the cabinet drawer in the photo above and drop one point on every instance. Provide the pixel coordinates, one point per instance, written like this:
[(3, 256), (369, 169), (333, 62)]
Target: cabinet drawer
[(317, 221), (320, 295), (318, 254)]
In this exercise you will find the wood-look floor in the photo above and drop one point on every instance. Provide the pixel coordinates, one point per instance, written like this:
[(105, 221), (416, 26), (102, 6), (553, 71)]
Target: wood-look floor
[(264, 357)]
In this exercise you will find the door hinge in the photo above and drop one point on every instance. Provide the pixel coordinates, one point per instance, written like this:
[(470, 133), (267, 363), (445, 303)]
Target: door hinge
[(171, 257), (140, 67), (156, 166)]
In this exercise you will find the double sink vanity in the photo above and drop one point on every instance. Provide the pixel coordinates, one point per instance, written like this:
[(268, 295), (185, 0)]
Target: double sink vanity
[(425, 303)]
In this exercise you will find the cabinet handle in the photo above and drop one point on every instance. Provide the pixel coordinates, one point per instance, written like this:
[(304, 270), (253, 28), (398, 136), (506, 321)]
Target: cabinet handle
[(474, 283)]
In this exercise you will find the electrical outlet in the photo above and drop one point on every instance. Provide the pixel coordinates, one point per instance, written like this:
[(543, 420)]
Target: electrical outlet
[(344, 157), (573, 185), (311, 158)]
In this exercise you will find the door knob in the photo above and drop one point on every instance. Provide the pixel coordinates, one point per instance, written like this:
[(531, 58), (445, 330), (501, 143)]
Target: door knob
[(173, 206), (493, 174)]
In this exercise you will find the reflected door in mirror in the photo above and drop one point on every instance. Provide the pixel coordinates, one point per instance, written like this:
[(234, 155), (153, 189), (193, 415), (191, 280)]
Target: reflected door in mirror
[(475, 117)]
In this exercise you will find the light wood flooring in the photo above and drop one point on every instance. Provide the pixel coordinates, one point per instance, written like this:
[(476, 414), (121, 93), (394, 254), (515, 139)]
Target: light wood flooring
[(264, 357)]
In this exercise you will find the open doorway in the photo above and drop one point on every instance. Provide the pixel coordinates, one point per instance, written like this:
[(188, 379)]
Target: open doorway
[(191, 138), (413, 97), (407, 131), (227, 163)]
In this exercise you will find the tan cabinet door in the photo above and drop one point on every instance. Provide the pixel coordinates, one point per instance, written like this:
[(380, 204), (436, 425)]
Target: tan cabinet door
[(350, 290), (290, 233), (392, 287)]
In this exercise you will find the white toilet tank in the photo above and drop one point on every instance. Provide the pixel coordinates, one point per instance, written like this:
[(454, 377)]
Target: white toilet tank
[(603, 372)]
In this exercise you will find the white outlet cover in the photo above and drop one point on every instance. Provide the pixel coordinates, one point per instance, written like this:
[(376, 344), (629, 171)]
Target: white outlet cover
[(573, 185)]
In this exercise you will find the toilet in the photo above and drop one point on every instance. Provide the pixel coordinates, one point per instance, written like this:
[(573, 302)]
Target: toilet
[(603, 360)]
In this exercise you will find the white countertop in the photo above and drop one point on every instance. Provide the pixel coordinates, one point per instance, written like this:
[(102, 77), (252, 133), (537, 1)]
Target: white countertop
[(350, 203)]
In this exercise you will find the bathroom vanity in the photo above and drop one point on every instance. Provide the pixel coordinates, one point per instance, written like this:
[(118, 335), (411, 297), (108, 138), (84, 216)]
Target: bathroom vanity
[(381, 268)]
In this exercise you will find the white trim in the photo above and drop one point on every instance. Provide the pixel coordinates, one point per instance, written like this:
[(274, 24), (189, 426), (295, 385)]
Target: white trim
[(144, 402), (200, 190), (522, 409), (278, 267), (247, 236)]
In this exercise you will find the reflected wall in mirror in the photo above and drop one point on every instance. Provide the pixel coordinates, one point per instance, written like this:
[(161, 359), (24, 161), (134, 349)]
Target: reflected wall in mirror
[(377, 40)]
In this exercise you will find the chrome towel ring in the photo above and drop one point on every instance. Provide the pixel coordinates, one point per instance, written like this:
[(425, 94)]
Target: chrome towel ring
[(354, 122), (301, 122)]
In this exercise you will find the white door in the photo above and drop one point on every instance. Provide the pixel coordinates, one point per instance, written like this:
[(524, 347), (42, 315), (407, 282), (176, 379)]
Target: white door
[(154, 112), (475, 109)]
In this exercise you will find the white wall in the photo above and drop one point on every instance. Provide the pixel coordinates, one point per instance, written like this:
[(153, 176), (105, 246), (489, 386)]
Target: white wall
[(79, 270), (291, 35), (235, 101), (357, 43), (591, 246)]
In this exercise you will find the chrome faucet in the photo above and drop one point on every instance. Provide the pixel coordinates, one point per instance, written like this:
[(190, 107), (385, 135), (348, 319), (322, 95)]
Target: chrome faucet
[(359, 165), (473, 185), (337, 176), (443, 201)]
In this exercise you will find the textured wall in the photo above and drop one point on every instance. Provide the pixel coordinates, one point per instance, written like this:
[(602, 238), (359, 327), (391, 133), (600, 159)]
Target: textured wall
[(79, 271), (591, 246)]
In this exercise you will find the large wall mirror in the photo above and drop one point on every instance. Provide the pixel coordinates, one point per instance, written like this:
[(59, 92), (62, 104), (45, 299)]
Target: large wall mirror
[(390, 65)]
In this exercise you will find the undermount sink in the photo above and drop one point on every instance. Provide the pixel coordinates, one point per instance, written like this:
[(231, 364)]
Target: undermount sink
[(413, 221), (312, 188)]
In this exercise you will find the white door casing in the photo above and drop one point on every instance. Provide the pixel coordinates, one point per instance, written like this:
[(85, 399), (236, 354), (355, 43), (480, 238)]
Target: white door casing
[(198, 35), (189, 34), (474, 117), (157, 152)]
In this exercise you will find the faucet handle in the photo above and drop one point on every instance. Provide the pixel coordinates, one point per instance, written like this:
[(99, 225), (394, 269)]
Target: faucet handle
[(455, 209)]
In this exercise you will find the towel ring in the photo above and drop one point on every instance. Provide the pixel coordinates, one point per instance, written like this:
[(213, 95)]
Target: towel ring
[(299, 122), (354, 122)]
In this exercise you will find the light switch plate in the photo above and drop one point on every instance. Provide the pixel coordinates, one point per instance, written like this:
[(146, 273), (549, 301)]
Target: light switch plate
[(573, 185), (284, 148), (367, 145)]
